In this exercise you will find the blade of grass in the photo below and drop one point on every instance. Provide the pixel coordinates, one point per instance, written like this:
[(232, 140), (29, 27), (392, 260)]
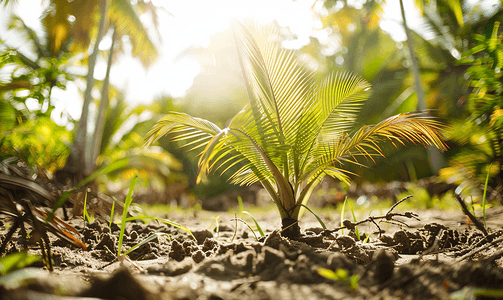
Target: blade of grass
[(318, 218), (172, 223), (484, 197), (127, 202), (146, 240), (256, 223), (112, 214), (342, 213), (240, 202), (85, 216), (354, 220), (217, 225)]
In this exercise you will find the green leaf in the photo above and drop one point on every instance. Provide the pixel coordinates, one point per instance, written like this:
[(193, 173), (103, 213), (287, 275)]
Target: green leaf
[(16, 261), (127, 202), (256, 223), (172, 223), (146, 240), (484, 196), (354, 220), (317, 218)]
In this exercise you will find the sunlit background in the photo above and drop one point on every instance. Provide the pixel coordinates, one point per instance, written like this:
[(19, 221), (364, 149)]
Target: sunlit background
[(197, 72), (191, 24)]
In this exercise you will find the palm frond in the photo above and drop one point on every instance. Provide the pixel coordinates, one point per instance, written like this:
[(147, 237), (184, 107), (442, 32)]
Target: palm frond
[(333, 114), (175, 123), (416, 127), (259, 88), (20, 25), (341, 97), (126, 19)]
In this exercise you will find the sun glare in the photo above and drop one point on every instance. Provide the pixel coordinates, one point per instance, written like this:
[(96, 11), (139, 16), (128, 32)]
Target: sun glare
[(191, 23)]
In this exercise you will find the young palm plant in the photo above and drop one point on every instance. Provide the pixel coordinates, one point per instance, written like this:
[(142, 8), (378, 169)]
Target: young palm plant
[(295, 129)]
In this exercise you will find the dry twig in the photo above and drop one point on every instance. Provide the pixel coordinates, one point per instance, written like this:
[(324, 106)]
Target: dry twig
[(477, 223), (388, 218), (242, 221)]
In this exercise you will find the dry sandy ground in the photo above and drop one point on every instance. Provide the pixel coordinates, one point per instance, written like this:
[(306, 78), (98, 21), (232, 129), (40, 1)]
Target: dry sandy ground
[(458, 261)]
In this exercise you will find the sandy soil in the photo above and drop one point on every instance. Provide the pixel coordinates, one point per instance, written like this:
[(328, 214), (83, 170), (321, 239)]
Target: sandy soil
[(439, 257)]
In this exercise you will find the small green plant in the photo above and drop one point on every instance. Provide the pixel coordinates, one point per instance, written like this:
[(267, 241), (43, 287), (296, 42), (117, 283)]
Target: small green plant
[(315, 215), (295, 130), (484, 195), (127, 204), (256, 223), (479, 131), (242, 209), (354, 220), (341, 275), (16, 261), (240, 204), (85, 215), (112, 214), (217, 225)]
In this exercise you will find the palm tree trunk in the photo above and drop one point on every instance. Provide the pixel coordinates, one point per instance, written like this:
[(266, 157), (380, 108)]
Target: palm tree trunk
[(105, 100), (79, 156), (435, 157), (421, 103)]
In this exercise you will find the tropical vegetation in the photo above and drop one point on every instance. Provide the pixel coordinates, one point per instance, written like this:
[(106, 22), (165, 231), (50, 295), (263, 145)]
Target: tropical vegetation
[(295, 129), (480, 130)]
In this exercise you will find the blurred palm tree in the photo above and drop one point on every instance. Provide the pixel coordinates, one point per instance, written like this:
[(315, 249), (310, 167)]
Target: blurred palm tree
[(35, 71), (77, 19), (68, 27)]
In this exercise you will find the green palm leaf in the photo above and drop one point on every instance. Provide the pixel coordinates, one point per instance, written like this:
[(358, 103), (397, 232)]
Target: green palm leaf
[(183, 127)]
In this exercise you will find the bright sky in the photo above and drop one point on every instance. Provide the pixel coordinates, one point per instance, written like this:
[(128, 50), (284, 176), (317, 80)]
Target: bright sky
[(192, 23)]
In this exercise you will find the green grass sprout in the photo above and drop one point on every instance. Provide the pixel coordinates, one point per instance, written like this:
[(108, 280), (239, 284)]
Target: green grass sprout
[(342, 213), (341, 275), (485, 192), (256, 223), (167, 221), (318, 218), (242, 209), (85, 214), (217, 225), (16, 261), (146, 240), (112, 214), (240, 203), (354, 220), (127, 202)]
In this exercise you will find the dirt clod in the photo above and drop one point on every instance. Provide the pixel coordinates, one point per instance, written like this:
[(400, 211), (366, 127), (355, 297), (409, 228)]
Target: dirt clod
[(202, 235), (122, 285), (384, 265)]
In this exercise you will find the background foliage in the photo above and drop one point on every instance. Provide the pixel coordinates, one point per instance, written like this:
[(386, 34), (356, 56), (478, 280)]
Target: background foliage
[(463, 90)]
